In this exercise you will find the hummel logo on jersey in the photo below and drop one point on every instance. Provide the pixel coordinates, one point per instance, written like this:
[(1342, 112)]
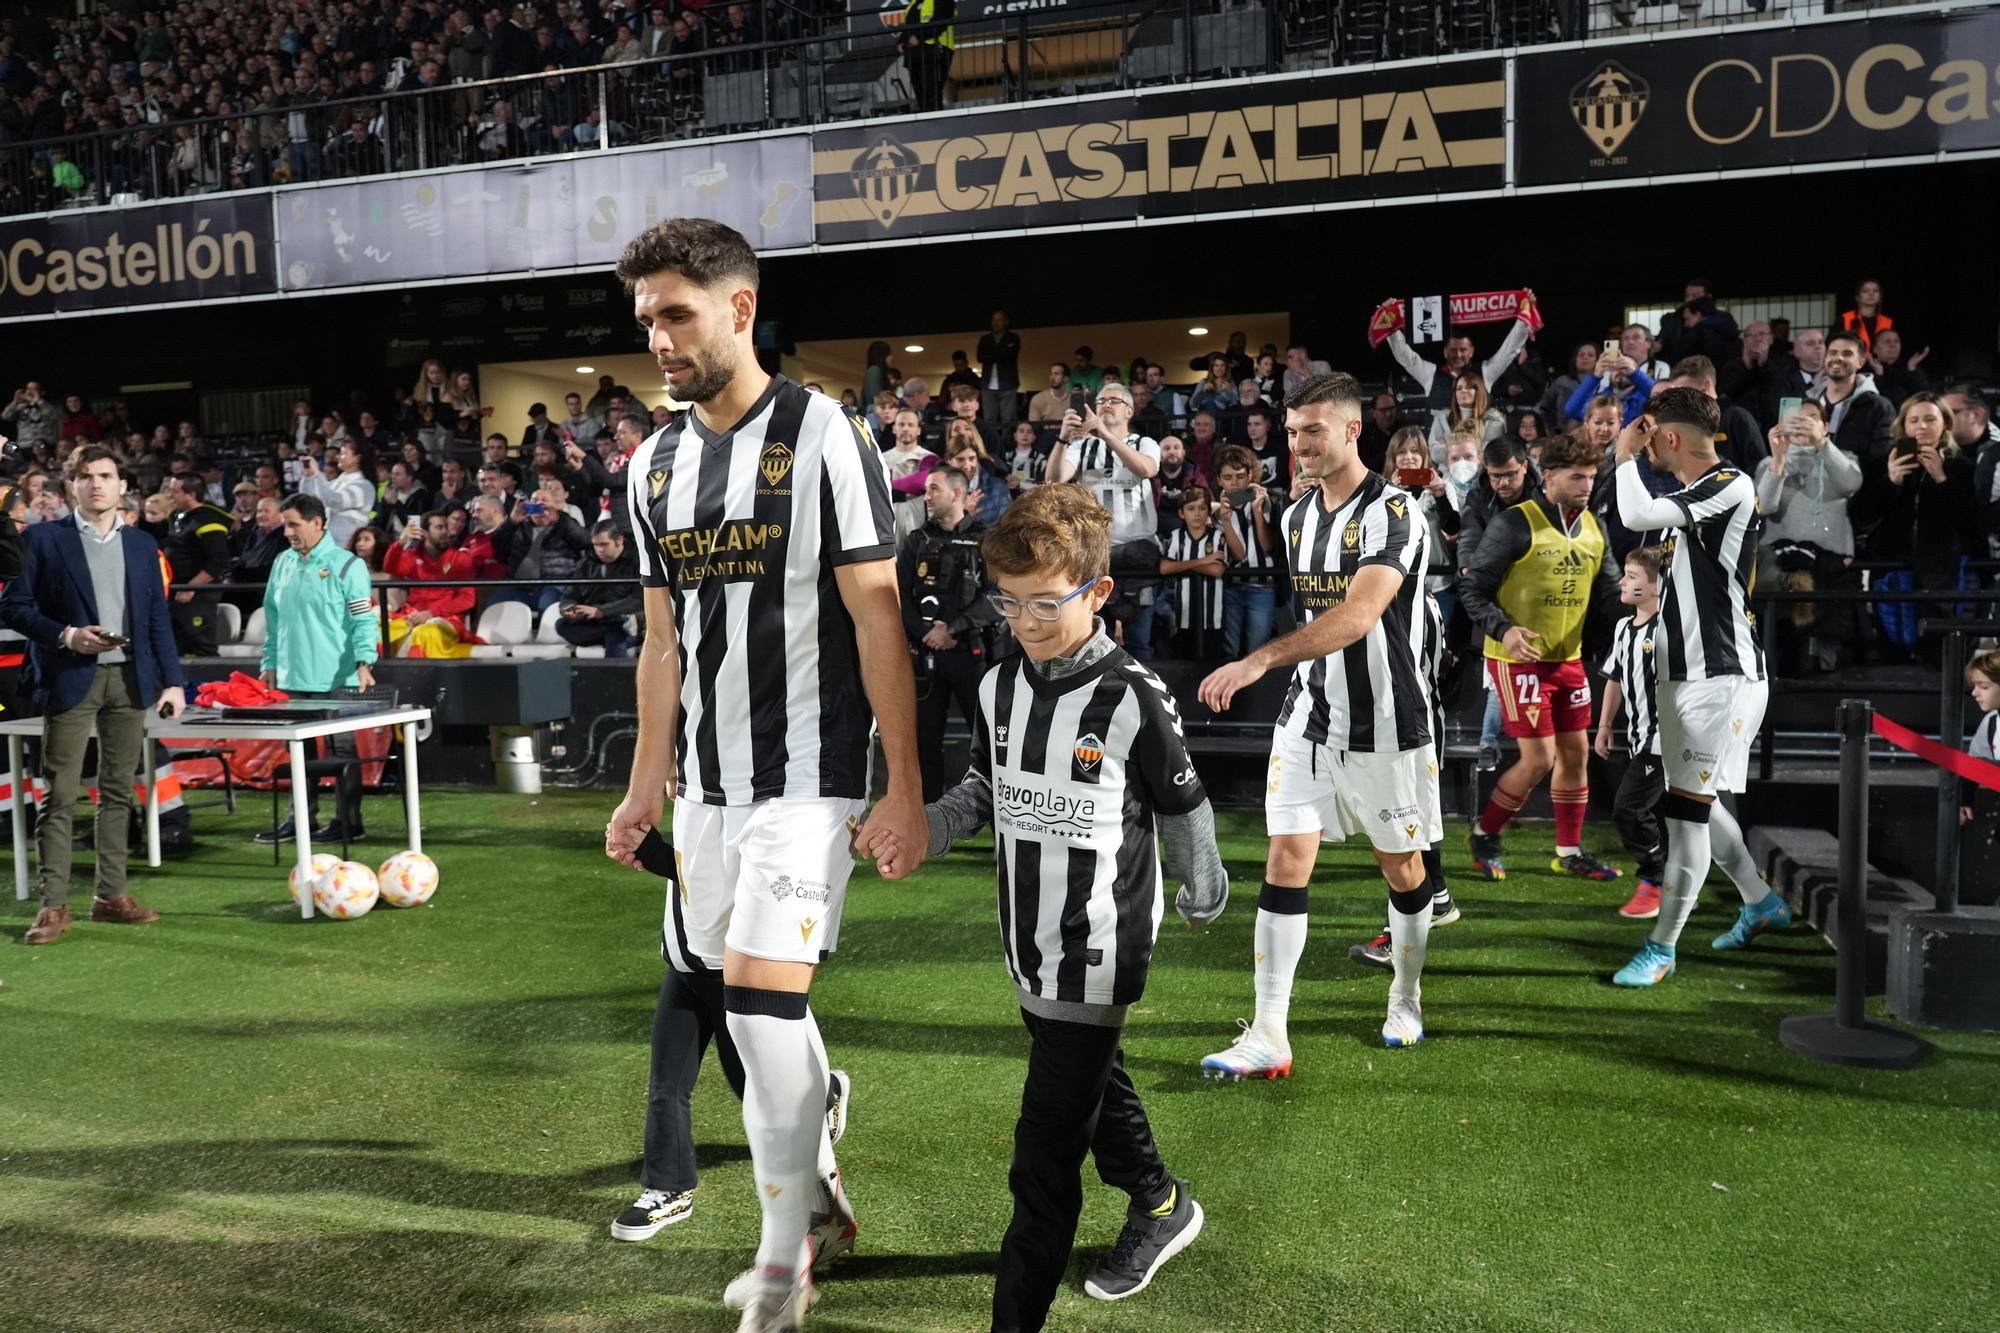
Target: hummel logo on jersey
[(775, 462), (1089, 749)]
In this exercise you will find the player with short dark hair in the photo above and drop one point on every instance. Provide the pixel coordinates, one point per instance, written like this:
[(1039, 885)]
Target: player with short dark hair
[(1353, 751), (761, 523), (1541, 570), (1079, 765), (1712, 690)]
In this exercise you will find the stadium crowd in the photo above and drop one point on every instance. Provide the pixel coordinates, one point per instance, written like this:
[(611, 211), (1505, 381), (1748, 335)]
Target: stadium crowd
[(201, 97), (1870, 474)]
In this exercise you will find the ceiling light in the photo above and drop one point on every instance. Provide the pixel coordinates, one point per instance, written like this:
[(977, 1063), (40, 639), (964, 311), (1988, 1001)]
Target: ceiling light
[(914, 347), (586, 370), (1198, 331)]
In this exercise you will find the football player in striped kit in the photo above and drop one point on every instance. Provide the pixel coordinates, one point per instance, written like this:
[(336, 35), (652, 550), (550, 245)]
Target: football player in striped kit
[(766, 549), (1353, 752), (1079, 765), (1708, 663)]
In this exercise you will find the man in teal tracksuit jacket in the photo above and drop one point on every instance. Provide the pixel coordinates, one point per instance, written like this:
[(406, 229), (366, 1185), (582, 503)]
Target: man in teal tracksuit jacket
[(320, 634)]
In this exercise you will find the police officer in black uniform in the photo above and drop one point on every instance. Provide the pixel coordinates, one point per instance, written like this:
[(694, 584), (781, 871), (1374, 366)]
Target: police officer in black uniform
[(945, 614), (198, 550)]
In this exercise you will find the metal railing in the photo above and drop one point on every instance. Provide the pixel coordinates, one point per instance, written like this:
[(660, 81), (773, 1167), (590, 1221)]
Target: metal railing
[(1095, 45)]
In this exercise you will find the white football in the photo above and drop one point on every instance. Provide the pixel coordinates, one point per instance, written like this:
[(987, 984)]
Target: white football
[(408, 879), (302, 885), (346, 891)]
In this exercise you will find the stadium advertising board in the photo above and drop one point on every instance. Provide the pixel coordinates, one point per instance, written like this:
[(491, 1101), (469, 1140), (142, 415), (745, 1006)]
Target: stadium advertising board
[(1371, 134), (538, 216), (1745, 100), (109, 258)]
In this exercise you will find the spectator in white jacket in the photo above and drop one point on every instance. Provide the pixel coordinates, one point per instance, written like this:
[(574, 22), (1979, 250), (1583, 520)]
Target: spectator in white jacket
[(348, 494)]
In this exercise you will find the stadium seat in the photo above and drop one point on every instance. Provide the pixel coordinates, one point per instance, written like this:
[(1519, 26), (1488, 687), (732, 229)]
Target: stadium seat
[(504, 626), (250, 643), (231, 628), (547, 643)]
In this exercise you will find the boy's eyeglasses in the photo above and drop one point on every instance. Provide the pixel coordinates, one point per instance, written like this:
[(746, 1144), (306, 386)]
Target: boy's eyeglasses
[(1041, 608)]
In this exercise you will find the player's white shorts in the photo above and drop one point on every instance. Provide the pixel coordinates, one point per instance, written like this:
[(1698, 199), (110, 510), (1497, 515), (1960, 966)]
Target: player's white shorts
[(766, 879), (1706, 727), (1391, 799)]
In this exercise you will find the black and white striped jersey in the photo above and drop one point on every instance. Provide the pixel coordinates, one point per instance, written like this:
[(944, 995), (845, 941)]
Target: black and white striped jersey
[(744, 529), (1630, 663), (1198, 596), (1256, 555), (1705, 627), (1079, 767), (1127, 495), (1372, 696), (1433, 666)]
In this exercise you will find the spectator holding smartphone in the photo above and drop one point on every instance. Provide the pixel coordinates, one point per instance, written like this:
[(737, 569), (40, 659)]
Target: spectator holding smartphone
[(594, 613), (1921, 508), (1803, 490), (1249, 523), (433, 621), (90, 602), (345, 488), (1408, 467)]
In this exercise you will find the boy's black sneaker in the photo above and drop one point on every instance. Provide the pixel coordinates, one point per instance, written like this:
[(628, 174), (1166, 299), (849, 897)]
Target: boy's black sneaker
[(1146, 1243), (651, 1211)]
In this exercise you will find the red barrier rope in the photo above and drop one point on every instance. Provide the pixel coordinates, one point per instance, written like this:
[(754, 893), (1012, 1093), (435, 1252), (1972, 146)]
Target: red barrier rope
[(1923, 747)]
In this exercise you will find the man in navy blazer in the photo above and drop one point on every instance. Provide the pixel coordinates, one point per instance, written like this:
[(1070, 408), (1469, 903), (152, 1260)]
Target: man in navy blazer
[(92, 603)]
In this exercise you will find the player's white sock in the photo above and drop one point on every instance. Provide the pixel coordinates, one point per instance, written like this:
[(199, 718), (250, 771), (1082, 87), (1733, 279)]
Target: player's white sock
[(1279, 939), (784, 1114), (1568, 851), (1687, 865), (1409, 940), (1725, 837)]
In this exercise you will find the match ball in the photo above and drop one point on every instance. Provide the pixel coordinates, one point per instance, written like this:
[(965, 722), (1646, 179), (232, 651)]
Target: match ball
[(346, 891), (408, 879), (302, 886)]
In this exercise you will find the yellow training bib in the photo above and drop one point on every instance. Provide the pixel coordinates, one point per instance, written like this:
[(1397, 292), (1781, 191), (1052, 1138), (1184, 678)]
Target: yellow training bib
[(1548, 589)]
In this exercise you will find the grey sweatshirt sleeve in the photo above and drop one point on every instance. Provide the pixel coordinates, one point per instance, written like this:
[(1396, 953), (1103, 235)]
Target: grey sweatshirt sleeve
[(960, 812), (1193, 858)]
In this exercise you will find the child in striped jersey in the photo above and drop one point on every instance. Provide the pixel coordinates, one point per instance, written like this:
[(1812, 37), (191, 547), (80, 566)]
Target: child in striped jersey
[(1629, 679), (1982, 673), (1079, 764)]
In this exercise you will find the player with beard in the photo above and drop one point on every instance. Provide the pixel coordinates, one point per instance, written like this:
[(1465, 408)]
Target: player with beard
[(774, 629)]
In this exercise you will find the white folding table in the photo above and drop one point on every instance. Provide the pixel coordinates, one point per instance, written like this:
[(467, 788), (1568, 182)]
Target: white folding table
[(206, 725)]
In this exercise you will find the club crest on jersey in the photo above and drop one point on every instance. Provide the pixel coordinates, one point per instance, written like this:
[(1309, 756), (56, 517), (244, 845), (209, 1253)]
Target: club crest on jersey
[(1350, 536), (656, 481), (1534, 715), (775, 462), (1089, 749)]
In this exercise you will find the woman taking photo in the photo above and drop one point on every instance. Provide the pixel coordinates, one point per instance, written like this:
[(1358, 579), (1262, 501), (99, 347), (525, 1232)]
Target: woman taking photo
[(1923, 513)]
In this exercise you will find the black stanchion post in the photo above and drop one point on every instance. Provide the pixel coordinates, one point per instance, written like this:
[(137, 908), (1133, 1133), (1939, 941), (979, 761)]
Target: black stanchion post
[(1846, 1036), (1951, 731)]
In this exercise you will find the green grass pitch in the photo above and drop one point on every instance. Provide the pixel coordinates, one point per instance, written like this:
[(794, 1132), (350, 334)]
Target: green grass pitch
[(426, 1119)]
